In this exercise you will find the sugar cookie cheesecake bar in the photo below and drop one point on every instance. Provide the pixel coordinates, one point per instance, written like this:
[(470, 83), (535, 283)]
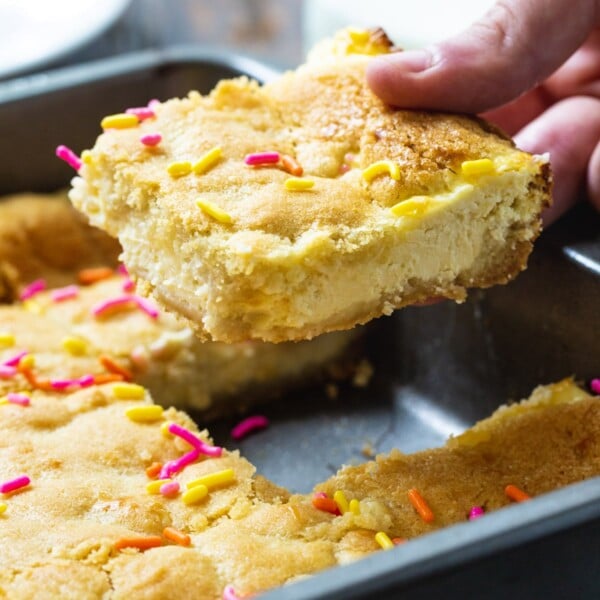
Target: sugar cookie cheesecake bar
[(307, 205), (104, 494)]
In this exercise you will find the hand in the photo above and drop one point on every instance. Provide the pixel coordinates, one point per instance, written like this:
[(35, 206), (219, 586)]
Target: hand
[(530, 66)]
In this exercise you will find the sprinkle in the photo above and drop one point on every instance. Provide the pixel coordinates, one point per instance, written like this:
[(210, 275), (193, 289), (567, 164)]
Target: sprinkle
[(380, 167), (412, 207), (342, 503), (151, 139), (154, 469), (175, 466), (229, 593), (473, 168), (7, 339), (113, 367), (208, 160), (20, 399), (87, 380), (262, 158), (325, 504), (146, 306), (420, 505), (3, 507), (119, 121), (141, 543), (291, 165), (7, 371), (141, 112), (64, 384), (123, 303), (152, 104), (92, 275), (107, 378), (212, 480), (172, 534), (354, 506), (154, 486), (25, 362), (516, 494), (14, 484), (212, 210), (195, 494), (65, 153), (144, 414), (35, 287), (64, 293), (86, 157), (476, 512), (383, 539), (170, 489), (249, 425), (195, 442), (595, 386), (179, 168), (164, 429), (128, 391), (298, 184), (16, 359), (74, 345)]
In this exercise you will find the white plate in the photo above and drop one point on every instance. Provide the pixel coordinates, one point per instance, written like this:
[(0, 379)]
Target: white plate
[(34, 32)]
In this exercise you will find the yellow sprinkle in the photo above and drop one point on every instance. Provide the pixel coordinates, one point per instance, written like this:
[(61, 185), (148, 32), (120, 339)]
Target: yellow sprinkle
[(413, 207), (297, 184), (128, 391), (73, 345), (179, 168), (154, 486), (354, 506), (7, 339), (144, 414), (340, 499), (195, 494), (213, 479), (380, 167), (119, 121), (3, 400), (3, 507), (33, 307), (164, 429), (473, 168), (214, 211), (359, 36), (86, 157), (27, 362), (208, 160), (383, 539)]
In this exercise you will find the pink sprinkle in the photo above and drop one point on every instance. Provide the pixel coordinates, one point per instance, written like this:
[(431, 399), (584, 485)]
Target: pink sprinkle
[(595, 386), (20, 399), (262, 158), (151, 139), (122, 270), (14, 484), (169, 489), (194, 441), (476, 512), (35, 287), (249, 425), (141, 112), (152, 104), (148, 307), (6, 371), (14, 361), (63, 384), (86, 380), (174, 466), (66, 154), (320, 495), (229, 594), (65, 293), (128, 285)]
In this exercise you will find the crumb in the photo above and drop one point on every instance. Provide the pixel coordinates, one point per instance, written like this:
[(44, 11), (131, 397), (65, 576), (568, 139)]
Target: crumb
[(363, 374)]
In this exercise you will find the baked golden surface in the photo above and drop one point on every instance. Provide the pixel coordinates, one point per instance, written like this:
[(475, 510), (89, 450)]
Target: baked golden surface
[(233, 249), (62, 535)]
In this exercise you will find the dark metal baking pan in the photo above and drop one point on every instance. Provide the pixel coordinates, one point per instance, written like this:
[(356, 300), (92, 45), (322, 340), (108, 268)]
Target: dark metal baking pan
[(437, 369)]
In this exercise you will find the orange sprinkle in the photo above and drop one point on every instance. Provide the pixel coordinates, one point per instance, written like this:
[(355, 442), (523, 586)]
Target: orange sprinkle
[(111, 365), (398, 541), (154, 469), (183, 539), (514, 493), (89, 276), (107, 378), (141, 543), (325, 504), (420, 505), (34, 382), (291, 165)]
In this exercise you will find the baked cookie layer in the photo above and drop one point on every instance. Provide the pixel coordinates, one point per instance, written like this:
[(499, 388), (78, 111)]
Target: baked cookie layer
[(307, 205)]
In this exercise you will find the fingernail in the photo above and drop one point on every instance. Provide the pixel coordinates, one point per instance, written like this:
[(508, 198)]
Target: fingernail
[(412, 61)]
